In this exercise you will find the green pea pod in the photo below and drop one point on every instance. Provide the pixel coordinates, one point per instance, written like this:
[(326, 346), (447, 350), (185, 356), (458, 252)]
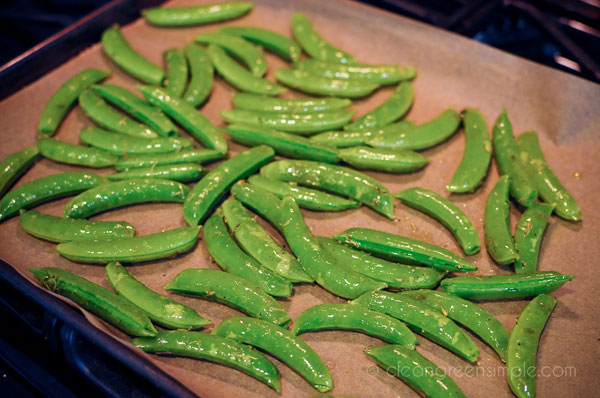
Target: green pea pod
[(230, 290), (313, 44), (390, 160), (477, 154), (446, 212), (59, 229), (507, 158), (389, 111), (259, 244), (420, 319), (176, 72), (423, 136), (414, 369), (281, 344), (98, 300), (47, 188), (240, 77), (136, 107), (470, 315), (78, 155), (159, 309), (400, 248), (396, 276), (380, 74), (284, 144), (253, 102), (217, 182), (345, 139), (496, 224), (124, 193), (131, 250), (523, 345), (250, 55), (331, 316), (501, 287), (196, 15), (120, 52), (551, 190), (202, 75), (184, 172), (65, 97), (268, 39), (262, 202), (215, 349), (165, 159), (231, 258), (317, 85), (529, 234), (335, 179), (188, 117), (15, 165), (306, 198)]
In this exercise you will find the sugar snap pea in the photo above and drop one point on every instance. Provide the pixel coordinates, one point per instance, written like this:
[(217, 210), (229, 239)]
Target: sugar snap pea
[(253, 102), (317, 85), (15, 165), (350, 138), (176, 71), (250, 55), (314, 44), (496, 224), (230, 290), (165, 159), (529, 234), (400, 248), (446, 212), (500, 287), (102, 302), (183, 172), (120, 52), (123, 193), (201, 75), (215, 349), (63, 152), (380, 74), (262, 202), (268, 39), (196, 15), (390, 160), (281, 344), (523, 345), (65, 97), (216, 183)]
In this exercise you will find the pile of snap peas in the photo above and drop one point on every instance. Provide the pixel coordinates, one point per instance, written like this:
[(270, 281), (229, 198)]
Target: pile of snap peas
[(390, 280)]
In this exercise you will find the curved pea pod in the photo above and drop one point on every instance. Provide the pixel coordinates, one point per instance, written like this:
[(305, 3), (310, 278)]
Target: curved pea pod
[(65, 97), (183, 156), (131, 250), (15, 165), (240, 77), (176, 71), (396, 276), (400, 248), (231, 290), (215, 349), (262, 202), (470, 315), (416, 371), (123, 193), (281, 344), (231, 258), (120, 52), (196, 15), (390, 160), (78, 155), (253, 102), (523, 345), (272, 41), (496, 224), (201, 75), (351, 138), (183, 172), (501, 287), (250, 55), (420, 319), (423, 136), (334, 316), (47, 188), (551, 190), (284, 144), (59, 229), (477, 155), (529, 234), (446, 212), (98, 300), (216, 183), (379, 74), (336, 179), (317, 85)]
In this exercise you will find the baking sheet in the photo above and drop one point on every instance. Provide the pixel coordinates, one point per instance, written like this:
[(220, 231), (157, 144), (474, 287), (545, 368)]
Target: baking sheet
[(453, 71)]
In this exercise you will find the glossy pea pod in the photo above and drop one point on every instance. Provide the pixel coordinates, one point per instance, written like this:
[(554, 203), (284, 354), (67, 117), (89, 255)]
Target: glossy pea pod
[(249, 54), (261, 201), (196, 15), (183, 172), (63, 152), (176, 72), (201, 75), (529, 234), (253, 102), (198, 156), (379, 74), (317, 85), (496, 224), (390, 160), (15, 165), (272, 41), (352, 138)]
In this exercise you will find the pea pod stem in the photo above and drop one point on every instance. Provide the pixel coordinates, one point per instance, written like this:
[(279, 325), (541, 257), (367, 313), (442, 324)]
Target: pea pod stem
[(529, 234), (272, 41), (201, 75), (253, 102), (196, 15), (15, 165), (63, 152), (251, 55), (496, 224)]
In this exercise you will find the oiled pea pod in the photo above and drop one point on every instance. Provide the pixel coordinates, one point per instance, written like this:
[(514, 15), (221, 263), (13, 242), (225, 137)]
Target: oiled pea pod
[(250, 55), (529, 234), (131, 250), (390, 160), (60, 229), (176, 71), (168, 159), (261, 201), (446, 212), (63, 152), (334, 316), (281, 344), (272, 41), (253, 102), (501, 287), (124, 193), (47, 188), (65, 97), (496, 224), (98, 300), (351, 138), (231, 290), (15, 165), (183, 172), (159, 309), (196, 15), (416, 371), (380, 74), (317, 85), (201, 75), (523, 345), (215, 349)]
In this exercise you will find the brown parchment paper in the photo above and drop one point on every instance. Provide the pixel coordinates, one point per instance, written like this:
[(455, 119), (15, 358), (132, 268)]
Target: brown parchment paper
[(453, 71)]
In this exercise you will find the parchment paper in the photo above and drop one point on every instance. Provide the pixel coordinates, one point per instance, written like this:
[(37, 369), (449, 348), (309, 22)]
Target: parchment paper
[(453, 71)]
